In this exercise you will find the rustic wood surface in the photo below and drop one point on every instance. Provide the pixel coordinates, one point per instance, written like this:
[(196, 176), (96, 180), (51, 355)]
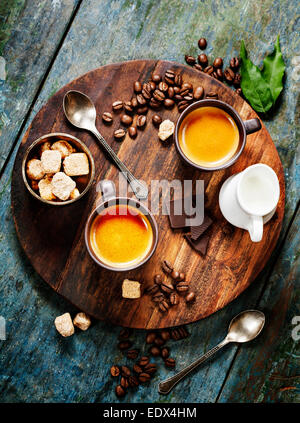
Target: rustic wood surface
[(54, 239), (36, 364)]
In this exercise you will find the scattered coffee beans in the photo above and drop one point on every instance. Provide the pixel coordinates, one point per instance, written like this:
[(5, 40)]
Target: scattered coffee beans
[(132, 131), (115, 371), (107, 117), (117, 105), (202, 43), (119, 134), (170, 362), (190, 297)]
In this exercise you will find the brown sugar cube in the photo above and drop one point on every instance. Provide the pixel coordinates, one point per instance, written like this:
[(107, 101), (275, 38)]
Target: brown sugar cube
[(51, 161), (62, 185), (166, 129), (131, 289), (74, 194), (35, 169), (63, 147), (64, 325), (76, 164), (45, 189), (45, 146), (82, 321)]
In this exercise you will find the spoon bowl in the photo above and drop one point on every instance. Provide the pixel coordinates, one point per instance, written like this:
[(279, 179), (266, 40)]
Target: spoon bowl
[(246, 326)]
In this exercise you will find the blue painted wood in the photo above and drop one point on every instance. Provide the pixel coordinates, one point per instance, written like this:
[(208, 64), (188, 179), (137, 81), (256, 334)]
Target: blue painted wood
[(36, 364), (30, 33)]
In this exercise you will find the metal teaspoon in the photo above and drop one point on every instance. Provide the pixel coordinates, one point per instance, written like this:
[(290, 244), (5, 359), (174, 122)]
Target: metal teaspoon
[(243, 328), (81, 112)]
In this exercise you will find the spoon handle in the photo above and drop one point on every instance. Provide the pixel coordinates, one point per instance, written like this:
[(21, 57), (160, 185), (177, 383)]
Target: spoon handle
[(167, 385), (140, 190)]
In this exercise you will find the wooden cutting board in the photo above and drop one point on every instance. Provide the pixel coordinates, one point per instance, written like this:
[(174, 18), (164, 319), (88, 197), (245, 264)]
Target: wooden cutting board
[(53, 237)]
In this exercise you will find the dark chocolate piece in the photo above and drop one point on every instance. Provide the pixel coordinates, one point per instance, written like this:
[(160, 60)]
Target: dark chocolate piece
[(197, 231), (178, 221), (200, 245)]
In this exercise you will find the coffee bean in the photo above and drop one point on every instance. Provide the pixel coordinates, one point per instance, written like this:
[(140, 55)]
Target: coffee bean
[(144, 361), (117, 105), (186, 86), (137, 86), (134, 102), (174, 299), (157, 298), (219, 73), (163, 306), (115, 371), (150, 337), (124, 382), (171, 92), (120, 392), (163, 86), (170, 362), (218, 62), (209, 70), (158, 279), (128, 106), (159, 95), (182, 286), (159, 342), (176, 90), (229, 75), (152, 85), (150, 368), (190, 60), (178, 97), (107, 117), (182, 105), (239, 91), (202, 43), (178, 79), (141, 121), (146, 94), (181, 277), (141, 99), (142, 110), (165, 352), (234, 63), (126, 120), (124, 334), (152, 289), (132, 354), (203, 60), (148, 87), (132, 131), (168, 103), (212, 94), (170, 74), (237, 80), (125, 371), (154, 103), (167, 266), (156, 78), (175, 275), (167, 287), (214, 74), (198, 67), (133, 381), (154, 351), (190, 297), (124, 345), (137, 369), (119, 134), (179, 333), (165, 334), (144, 377), (189, 97)]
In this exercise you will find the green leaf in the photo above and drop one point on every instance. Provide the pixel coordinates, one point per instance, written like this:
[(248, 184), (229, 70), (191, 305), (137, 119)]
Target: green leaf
[(254, 86), (273, 70)]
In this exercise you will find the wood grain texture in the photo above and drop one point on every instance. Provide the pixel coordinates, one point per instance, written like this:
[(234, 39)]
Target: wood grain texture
[(55, 242)]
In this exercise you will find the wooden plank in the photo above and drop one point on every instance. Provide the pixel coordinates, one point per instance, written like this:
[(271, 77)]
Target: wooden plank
[(38, 365), (264, 370), (30, 32)]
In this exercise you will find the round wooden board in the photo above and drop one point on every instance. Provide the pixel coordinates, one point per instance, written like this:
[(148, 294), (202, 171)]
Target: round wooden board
[(53, 237)]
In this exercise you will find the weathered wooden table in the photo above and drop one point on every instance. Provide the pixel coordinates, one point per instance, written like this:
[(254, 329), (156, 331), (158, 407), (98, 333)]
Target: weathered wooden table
[(43, 45)]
